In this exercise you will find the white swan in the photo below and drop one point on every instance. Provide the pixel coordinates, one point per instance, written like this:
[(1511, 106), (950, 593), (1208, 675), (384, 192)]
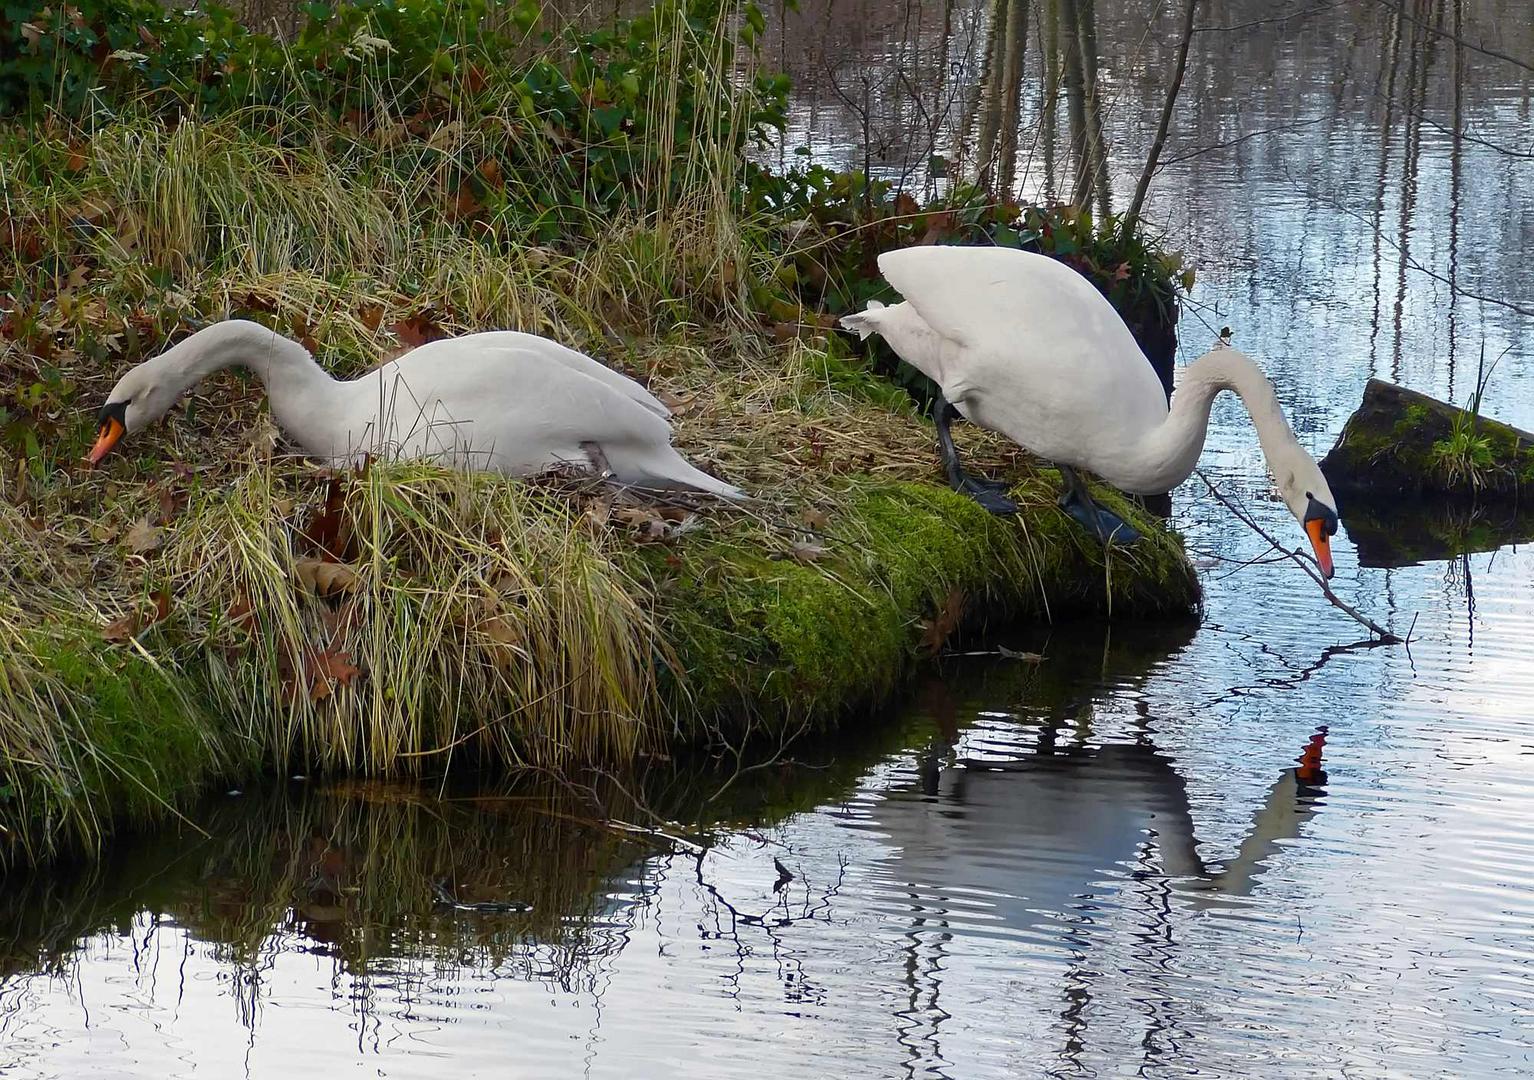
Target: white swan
[(502, 401), (1025, 346)]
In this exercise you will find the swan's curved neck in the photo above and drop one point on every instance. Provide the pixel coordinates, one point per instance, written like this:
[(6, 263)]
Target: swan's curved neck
[(300, 392), (1170, 452)]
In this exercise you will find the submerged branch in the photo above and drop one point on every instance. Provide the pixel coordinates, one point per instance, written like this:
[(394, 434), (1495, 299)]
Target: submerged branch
[(1305, 563)]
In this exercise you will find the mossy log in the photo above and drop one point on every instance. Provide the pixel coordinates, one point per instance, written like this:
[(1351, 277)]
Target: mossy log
[(1400, 442)]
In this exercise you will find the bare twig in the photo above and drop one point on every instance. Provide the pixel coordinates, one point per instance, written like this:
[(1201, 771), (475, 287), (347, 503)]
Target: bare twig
[(1132, 215), (1305, 563)]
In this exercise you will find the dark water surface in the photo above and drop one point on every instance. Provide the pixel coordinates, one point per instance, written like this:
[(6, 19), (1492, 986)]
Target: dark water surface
[(1243, 849)]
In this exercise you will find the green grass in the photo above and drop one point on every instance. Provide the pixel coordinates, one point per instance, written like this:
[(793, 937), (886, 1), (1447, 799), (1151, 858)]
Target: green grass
[(464, 618)]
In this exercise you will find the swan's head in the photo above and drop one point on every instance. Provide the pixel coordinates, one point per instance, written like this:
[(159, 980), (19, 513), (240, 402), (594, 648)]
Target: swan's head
[(1310, 501), (139, 400)]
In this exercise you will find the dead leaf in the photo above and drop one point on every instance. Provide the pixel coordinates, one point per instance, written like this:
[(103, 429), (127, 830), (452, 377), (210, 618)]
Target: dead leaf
[(938, 629), (805, 552), (818, 520), (326, 669), (169, 504), (1025, 657), (679, 404), (642, 518), (598, 511), (490, 171), (418, 329), (120, 630), (371, 315), (325, 578), (142, 536)]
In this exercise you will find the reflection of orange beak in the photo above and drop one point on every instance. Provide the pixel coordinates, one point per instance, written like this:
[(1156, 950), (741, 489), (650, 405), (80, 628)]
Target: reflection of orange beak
[(1316, 530), (111, 433)]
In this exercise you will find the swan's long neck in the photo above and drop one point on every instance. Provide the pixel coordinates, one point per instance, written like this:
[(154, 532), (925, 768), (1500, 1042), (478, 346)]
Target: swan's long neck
[(1170, 452), (305, 401)]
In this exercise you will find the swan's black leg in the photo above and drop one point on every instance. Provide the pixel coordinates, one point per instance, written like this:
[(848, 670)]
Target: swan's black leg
[(1102, 523), (988, 493)]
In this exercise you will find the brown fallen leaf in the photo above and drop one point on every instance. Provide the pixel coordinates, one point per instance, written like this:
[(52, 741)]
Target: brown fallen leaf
[(641, 518), (371, 316), (120, 630), (325, 578), (818, 520), (137, 621), (679, 404), (326, 669), (938, 629), (142, 536), (805, 552)]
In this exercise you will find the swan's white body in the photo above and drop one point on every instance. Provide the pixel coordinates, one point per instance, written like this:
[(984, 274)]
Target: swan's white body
[(1025, 346), (501, 401)]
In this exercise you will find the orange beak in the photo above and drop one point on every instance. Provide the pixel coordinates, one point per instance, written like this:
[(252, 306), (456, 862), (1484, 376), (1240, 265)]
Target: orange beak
[(110, 435), (1316, 530)]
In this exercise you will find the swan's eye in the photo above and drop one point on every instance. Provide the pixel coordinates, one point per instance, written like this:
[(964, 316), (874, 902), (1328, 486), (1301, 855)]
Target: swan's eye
[(1308, 495)]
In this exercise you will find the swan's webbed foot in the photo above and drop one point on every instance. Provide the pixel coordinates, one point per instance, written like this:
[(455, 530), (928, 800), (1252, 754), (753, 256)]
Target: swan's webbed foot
[(991, 494), (1102, 523)]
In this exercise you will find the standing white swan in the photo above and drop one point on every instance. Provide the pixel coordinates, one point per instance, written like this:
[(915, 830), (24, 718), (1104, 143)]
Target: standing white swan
[(502, 401), (1025, 346)]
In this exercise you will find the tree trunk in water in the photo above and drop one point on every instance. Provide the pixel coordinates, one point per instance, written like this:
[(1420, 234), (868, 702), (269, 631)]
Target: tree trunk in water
[(1012, 96)]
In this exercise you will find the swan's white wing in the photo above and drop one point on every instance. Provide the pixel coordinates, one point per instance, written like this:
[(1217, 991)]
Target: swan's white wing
[(1033, 351), (549, 351), (516, 406), (981, 297)]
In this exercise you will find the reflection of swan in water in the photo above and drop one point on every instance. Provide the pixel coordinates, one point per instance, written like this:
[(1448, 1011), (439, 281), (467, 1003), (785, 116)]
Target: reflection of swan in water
[(1088, 845), (1037, 832)]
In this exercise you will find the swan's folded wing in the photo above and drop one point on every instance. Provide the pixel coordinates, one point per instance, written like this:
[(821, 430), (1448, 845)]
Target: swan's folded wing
[(579, 362), (991, 298)]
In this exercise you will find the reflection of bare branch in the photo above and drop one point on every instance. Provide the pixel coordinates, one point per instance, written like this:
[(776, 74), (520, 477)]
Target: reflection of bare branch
[(1199, 151), (1399, 9), (1316, 10), (1485, 298)]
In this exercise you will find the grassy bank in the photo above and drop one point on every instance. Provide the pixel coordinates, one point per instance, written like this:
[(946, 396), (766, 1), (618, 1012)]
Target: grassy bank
[(207, 605)]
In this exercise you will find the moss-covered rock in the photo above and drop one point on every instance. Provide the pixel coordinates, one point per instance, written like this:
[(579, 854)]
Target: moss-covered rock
[(1400, 441)]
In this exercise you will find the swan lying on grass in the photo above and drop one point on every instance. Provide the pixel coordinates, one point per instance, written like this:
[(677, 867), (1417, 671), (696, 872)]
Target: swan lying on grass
[(501, 401), (1025, 346)]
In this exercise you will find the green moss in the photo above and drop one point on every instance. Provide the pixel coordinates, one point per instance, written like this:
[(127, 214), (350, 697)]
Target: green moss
[(133, 745), (763, 643)]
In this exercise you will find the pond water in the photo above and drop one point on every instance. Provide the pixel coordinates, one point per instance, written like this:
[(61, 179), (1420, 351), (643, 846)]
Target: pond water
[(1249, 848)]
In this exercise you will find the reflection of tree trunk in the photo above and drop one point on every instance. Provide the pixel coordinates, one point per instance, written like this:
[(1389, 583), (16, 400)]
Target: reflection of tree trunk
[(1132, 215), (1456, 154), (1086, 11), (991, 93), (1049, 49), (1379, 188), (1076, 101), (1012, 96), (1416, 101)]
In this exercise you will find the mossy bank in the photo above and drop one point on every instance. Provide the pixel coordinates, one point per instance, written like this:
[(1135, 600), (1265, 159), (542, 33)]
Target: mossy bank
[(196, 616)]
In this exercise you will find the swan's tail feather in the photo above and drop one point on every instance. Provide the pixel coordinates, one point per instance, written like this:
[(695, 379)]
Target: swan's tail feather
[(674, 471), (863, 323)]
